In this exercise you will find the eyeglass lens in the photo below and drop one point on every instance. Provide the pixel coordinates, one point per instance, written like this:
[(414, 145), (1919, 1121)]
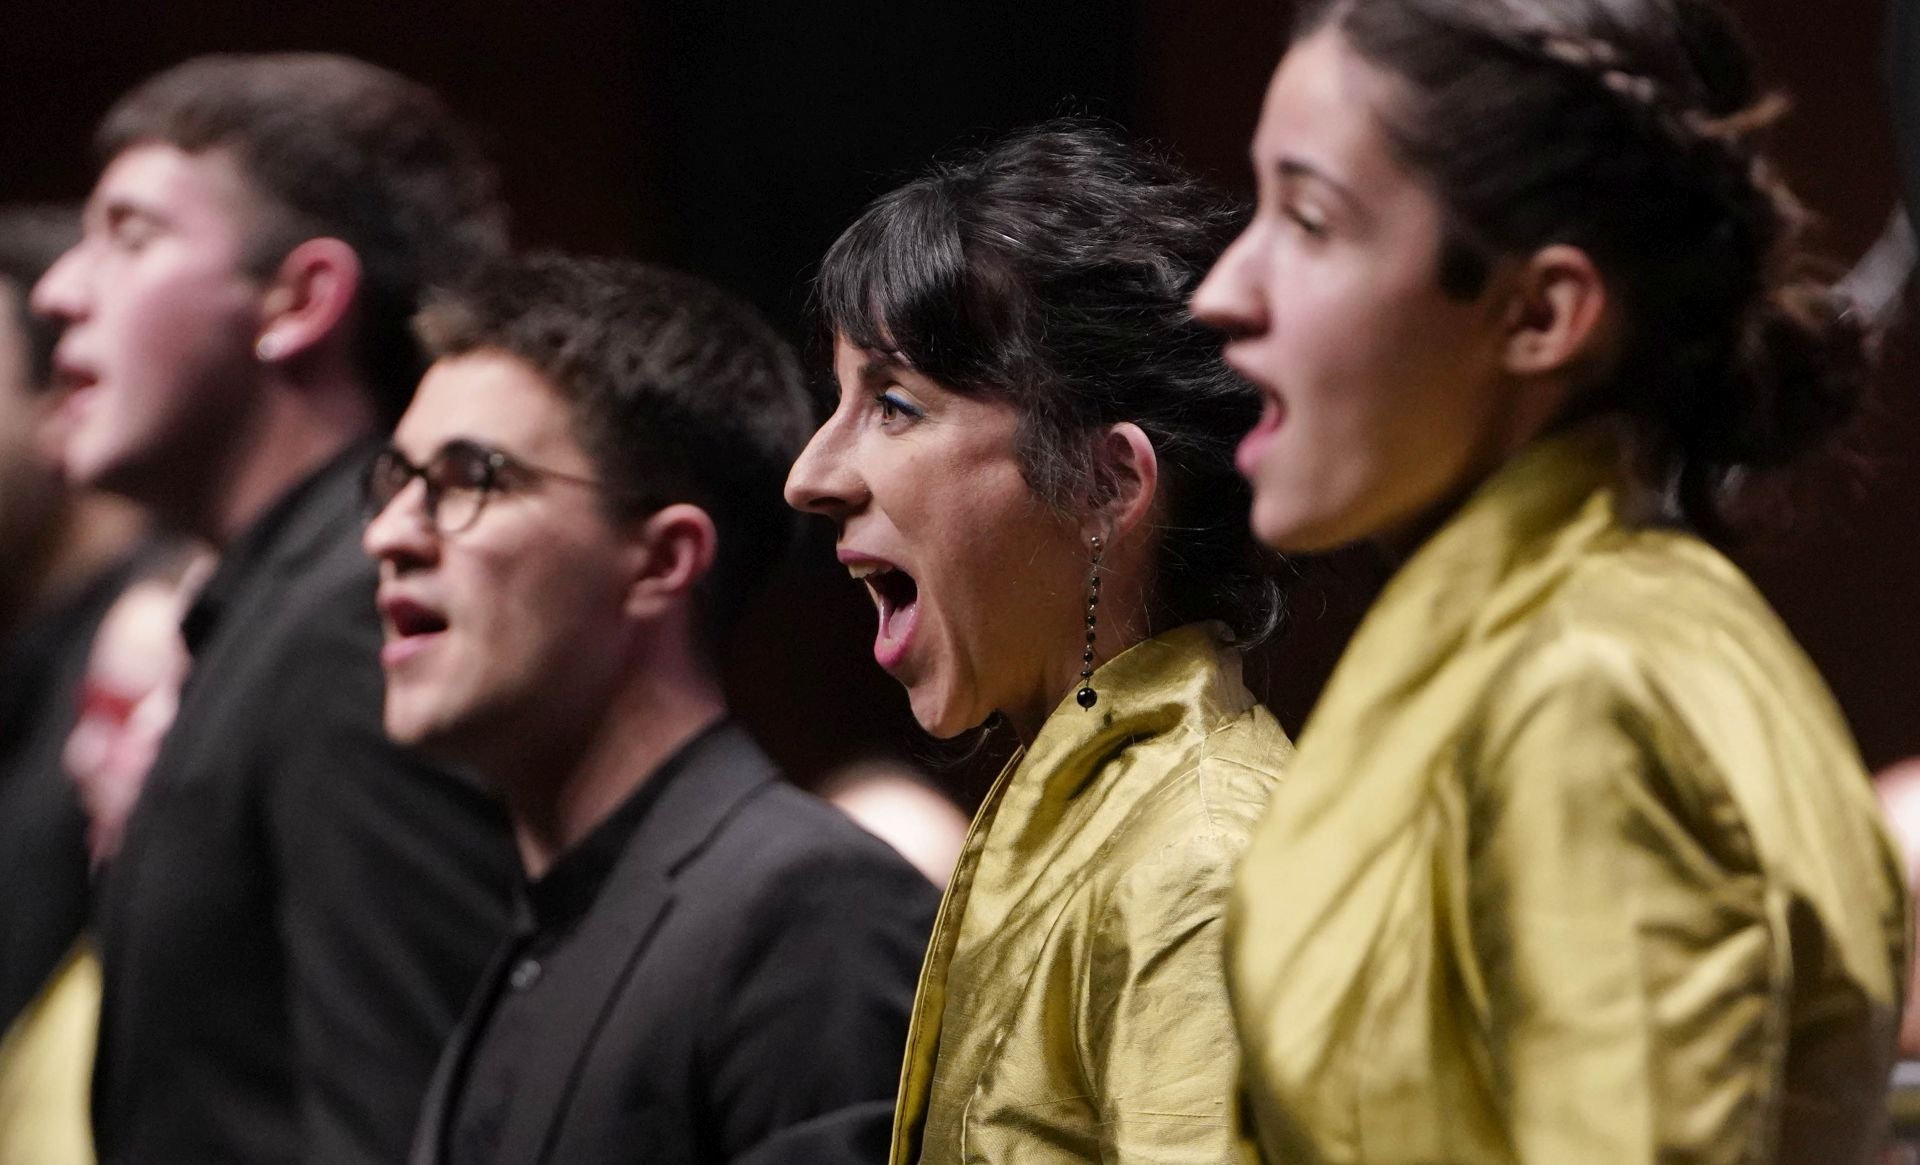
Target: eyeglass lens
[(457, 478)]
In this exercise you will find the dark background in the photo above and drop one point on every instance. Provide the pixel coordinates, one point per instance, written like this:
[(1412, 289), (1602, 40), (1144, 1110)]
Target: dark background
[(736, 138)]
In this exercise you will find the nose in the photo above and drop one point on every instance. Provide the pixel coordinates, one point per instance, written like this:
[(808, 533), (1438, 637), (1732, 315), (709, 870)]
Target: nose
[(825, 479), (401, 533), (1230, 298), (62, 292)]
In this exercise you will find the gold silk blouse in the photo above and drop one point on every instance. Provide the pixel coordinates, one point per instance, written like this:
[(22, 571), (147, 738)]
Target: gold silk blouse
[(1073, 1004), (1578, 864)]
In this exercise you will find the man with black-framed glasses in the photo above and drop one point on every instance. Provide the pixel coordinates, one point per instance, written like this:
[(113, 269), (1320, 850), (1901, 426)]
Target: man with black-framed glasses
[(707, 965)]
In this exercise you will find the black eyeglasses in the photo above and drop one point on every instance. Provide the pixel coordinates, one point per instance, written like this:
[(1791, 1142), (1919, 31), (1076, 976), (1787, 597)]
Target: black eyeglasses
[(459, 477)]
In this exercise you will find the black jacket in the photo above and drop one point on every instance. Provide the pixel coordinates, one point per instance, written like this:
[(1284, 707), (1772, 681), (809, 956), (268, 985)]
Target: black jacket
[(299, 909), (748, 969)]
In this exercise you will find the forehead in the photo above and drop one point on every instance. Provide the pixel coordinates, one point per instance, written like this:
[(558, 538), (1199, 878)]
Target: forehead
[(496, 399), (860, 369), (193, 191), (1323, 108), (849, 359)]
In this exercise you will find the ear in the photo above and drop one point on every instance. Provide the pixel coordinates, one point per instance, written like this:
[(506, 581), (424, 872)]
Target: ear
[(310, 299), (1126, 475), (673, 550), (1556, 314)]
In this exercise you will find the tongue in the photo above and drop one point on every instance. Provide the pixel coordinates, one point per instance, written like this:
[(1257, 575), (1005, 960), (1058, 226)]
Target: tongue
[(895, 618)]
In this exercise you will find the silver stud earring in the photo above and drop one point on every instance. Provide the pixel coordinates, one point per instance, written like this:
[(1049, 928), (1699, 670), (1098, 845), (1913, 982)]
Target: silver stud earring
[(1086, 695), (267, 348)]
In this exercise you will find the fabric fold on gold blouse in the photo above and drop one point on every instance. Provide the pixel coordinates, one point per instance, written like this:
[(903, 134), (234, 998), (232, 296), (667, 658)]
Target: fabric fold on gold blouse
[(1073, 1004), (1577, 864)]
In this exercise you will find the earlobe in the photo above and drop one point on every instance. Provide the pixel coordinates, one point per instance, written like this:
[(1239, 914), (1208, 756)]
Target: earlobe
[(1556, 314), (311, 298), (673, 551)]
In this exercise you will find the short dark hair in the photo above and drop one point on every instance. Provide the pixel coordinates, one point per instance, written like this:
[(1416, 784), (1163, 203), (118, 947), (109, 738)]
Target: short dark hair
[(680, 392), (342, 149), (31, 238), (1053, 270), (1628, 128)]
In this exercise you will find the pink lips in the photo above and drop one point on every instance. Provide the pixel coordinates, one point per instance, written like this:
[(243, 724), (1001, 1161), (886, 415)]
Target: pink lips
[(76, 385), (411, 628), (1253, 446)]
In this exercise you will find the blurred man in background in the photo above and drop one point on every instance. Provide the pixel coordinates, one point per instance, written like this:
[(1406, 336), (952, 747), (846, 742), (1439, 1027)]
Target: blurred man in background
[(297, 908)]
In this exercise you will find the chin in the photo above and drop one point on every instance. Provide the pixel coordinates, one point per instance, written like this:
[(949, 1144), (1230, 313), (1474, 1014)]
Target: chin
[(84, 467), (940, 718), (404, 729), (422, 728), (1275, 533), (1293, 532), (943, 727)]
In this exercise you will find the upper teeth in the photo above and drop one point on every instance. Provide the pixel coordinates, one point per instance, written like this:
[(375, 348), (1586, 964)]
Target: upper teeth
[(861, 570)]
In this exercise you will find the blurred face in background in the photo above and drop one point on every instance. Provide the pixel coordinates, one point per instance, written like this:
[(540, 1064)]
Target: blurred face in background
[(160, 318), (30, 490), (1384, 396), (127, 702)]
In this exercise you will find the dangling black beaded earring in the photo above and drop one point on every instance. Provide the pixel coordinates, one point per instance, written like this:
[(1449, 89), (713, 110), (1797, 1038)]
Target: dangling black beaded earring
[(1086, 695)]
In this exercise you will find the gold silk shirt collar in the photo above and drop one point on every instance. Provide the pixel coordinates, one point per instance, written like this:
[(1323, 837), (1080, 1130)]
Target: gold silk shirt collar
[(1516, 536), (1151, 688)]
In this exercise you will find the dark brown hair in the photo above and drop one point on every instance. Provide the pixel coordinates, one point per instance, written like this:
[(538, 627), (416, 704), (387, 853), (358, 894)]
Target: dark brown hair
[(1628, 128), (342, 149), (679, 392), (1053, 270)]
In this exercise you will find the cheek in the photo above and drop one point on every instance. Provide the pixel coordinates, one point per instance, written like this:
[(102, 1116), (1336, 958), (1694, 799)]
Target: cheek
[(1357, 415), (905, 482), (1025, 582), (193, 324), (984, 524), (179, 313), (550, 608)]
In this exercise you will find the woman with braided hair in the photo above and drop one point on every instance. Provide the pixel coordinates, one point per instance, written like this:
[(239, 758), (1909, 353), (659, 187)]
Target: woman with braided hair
[(1577, 862)]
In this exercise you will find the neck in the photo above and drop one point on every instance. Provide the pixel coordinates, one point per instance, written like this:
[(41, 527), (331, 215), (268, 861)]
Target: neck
[(653, 716), (1122, 620), (1403, 541), (298, 427)]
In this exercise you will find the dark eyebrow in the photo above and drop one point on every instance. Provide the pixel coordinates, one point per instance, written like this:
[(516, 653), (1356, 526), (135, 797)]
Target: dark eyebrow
[(463, 442), (879, 367), (1295, 169), (116, 211)]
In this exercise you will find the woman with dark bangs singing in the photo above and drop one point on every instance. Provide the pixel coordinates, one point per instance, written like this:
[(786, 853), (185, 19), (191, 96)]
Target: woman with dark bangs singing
[(1030, 466)]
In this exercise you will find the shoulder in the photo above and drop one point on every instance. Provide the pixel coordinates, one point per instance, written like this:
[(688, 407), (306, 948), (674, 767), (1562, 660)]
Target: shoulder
[(790, 899), (1657, 632), (1202, 790), (783, 850), (309, 606), (1165, 871), (1656, 680), (328, 596)]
